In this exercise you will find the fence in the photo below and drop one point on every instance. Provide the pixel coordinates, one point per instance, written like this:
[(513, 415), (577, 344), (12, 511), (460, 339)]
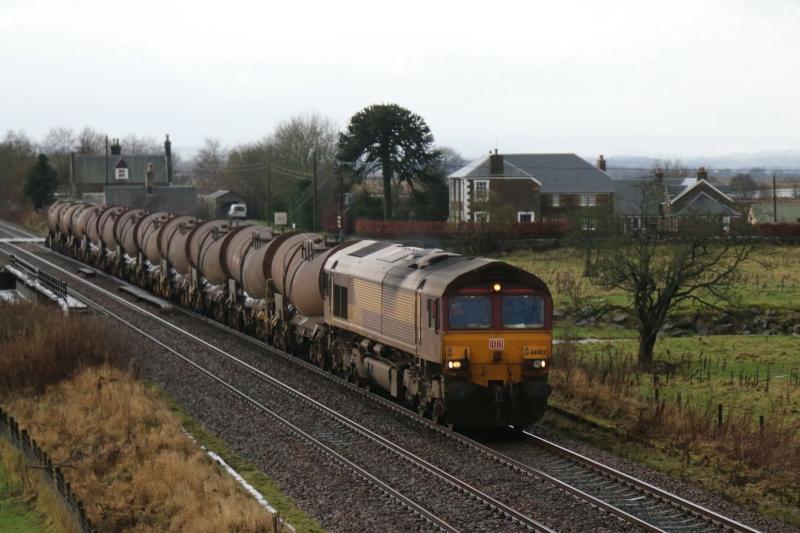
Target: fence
[(39, 461), (58, 287)]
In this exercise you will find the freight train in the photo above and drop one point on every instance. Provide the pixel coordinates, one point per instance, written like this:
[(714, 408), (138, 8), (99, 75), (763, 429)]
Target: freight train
[(464, 340)]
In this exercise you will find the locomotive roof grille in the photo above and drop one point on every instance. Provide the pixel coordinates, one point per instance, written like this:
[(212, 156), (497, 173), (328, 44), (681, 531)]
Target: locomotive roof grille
[(370, 249)]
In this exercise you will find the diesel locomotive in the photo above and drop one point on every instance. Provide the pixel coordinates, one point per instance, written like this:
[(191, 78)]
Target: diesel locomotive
[(465, 340)]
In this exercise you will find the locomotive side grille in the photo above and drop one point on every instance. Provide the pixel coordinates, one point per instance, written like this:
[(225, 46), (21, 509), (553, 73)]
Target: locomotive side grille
[(366, 305), (399, 314)]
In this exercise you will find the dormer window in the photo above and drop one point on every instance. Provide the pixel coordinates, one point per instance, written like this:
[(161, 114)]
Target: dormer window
[(121, 170)]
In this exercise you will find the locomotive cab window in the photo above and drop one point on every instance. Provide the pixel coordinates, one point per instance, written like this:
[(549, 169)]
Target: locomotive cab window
[(523, 311), (470, 312), (340, 301)]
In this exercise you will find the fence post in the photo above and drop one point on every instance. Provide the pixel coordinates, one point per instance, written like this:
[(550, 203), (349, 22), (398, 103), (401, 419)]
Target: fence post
[(719, 415)]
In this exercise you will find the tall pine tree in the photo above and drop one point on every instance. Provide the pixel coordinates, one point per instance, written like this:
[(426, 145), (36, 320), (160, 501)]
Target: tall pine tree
[(41, 183)]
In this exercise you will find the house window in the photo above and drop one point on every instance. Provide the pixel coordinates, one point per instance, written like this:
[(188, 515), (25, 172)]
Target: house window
[(636, 223), (121, 174), (481, 217), (526, 216), (481, 190), (588, 224), (556, 200), (587, 200), (340, 301)]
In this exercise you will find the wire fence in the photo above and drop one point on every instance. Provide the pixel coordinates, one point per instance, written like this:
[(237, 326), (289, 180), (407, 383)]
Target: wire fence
[(39, 462)]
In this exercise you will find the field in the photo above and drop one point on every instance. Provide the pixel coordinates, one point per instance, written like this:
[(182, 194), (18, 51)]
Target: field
[(722, 410), (771, 281)]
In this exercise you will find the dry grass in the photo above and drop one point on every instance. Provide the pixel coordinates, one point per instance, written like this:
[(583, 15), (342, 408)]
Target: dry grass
[(35, 221), (39, 346), (129, 460), (124, 452)]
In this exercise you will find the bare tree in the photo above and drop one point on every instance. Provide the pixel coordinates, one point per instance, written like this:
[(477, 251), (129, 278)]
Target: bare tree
[(209, 164), (90, 141), (744, 186), (58, 144), (134, 144), (693, 262)]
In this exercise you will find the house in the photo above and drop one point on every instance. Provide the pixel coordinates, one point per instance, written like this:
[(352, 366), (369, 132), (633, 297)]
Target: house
[(91, 173), (530, 188), (659, 202), (134, 180)]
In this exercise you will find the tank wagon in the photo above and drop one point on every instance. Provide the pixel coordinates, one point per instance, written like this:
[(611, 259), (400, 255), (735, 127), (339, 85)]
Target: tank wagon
[(464, 340)]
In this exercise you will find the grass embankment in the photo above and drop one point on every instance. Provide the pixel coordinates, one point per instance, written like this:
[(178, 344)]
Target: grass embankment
[(669, 418), (123, 450)]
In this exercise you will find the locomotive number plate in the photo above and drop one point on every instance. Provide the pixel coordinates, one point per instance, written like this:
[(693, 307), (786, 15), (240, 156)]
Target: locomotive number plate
[(497, 344)]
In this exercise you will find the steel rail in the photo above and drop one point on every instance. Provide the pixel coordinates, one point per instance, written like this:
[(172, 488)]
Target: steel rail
[(693, 508), (625, 479), (460, 485)]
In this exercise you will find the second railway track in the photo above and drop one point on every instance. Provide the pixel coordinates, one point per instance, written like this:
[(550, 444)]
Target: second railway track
[(626, 498)]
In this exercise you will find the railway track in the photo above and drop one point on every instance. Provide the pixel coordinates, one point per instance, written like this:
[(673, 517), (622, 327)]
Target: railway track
[(618, 494), (334, 434)]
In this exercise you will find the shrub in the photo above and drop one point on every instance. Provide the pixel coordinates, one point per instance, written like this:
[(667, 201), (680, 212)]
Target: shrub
[(781, 230), (40, 346)]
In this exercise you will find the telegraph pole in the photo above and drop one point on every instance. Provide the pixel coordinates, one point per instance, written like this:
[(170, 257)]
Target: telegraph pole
[(341, 204), (270, 220), (314, 214), (774, 200)]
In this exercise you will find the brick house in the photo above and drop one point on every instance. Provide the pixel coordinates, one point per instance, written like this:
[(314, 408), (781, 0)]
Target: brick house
[(530, 188)]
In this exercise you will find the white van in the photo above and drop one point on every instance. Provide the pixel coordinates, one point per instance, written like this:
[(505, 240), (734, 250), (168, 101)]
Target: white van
[(237, 211)]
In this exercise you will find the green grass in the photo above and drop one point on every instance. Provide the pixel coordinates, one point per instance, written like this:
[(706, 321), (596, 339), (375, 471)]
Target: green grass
[(772, 280), (250, 472), (16, 511), (744, 373)]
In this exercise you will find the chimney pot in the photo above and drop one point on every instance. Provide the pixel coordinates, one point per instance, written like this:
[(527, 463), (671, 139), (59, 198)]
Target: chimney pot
[(496, 164), (702, 173), (601, 163)]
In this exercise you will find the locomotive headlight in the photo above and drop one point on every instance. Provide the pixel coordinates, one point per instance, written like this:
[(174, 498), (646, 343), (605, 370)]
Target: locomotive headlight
[(454, 365), (539, 363), (496, 287)]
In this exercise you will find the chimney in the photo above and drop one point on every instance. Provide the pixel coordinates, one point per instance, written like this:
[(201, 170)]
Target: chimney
[(659, 172), (702, 173), (601, 163), (168, 153), (116, 148), (495, 163), (149, 176)]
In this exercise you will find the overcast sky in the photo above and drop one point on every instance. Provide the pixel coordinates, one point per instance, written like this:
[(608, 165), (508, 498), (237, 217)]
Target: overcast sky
[(615, 77)]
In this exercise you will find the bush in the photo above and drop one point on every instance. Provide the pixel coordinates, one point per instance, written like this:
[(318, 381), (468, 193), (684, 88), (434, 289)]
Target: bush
[(40, 346), (782, 230)]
